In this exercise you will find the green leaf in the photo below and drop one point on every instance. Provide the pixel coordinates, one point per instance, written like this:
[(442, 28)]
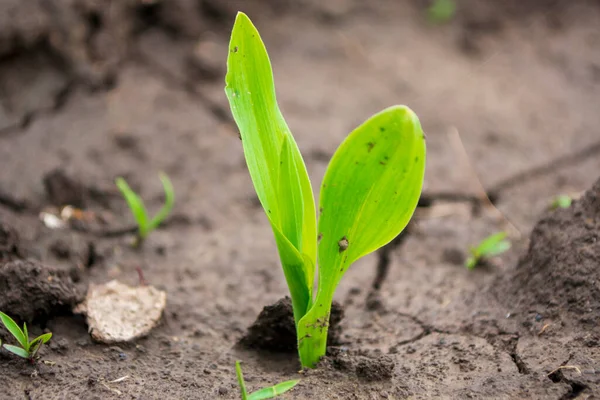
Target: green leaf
[(16, 350), (240, 377), (371, 189), (136, 205), (441, 11), (26, 334), (273, 391), (14, 329), (561, 201), (36, 343), (369, 193), (471, 262), (164, 212), (499, 248), (273, 158), (489, 244)]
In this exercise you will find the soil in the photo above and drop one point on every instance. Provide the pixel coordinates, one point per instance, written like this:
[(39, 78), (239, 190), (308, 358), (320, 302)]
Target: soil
[(94, 90), (274, 328)]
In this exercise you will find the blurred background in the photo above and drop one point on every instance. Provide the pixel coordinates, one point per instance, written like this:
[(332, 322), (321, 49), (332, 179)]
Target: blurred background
[(519, 81)]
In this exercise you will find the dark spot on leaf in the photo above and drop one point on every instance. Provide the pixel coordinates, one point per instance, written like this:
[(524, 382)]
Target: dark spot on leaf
[(320, 210), (381, 129), (382, 163), (417, 159), (235, 49), (370, 146), (386, 158), (320, 236), (343, 244)]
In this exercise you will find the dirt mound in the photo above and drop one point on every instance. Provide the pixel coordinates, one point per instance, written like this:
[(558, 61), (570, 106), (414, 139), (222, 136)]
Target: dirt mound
[(274, 328), (32, 291), (559, 275)]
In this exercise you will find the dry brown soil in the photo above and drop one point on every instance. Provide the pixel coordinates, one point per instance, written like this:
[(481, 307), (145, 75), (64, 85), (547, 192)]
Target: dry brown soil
[(93, 90)]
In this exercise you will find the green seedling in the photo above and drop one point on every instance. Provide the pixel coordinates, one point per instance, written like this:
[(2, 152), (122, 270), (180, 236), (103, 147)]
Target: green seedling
[(561, 201), (266, 393), (368, 195), (489, 247), (136, 205), (441, 11), (27, 349)]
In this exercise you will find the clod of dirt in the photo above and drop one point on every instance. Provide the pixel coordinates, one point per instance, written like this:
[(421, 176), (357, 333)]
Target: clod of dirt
[(62, 190), (9, 244), (366, 367), (274, 329), (120, 313), (32, 291), (559, 275)]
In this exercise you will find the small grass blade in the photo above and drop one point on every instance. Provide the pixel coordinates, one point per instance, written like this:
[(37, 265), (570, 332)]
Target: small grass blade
[(488, 244), (16, 350), (273, 391), (136, 205), (36, 343), (561, 201), (40, 340), (164, 212), (240, 377), (14, 329), (26, 336)]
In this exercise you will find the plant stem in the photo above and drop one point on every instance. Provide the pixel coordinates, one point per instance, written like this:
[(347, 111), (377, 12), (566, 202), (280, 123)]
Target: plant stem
[(312, 331)]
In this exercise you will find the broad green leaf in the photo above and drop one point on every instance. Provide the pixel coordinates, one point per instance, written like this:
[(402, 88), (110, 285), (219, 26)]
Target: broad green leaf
[(164, 212), (240, 377), (17, 350), (273, 391), (369, 193), (136, 205), (489, 243), (14, 329), (370, 190), (290, 205)]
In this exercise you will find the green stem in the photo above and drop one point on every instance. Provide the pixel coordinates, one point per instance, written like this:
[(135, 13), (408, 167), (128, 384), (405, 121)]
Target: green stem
[(312, 331)]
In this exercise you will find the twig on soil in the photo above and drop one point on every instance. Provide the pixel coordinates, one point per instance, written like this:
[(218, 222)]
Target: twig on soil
[(121, 379), (457, 143), (543, 329), (111, 389), (574, 367)]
